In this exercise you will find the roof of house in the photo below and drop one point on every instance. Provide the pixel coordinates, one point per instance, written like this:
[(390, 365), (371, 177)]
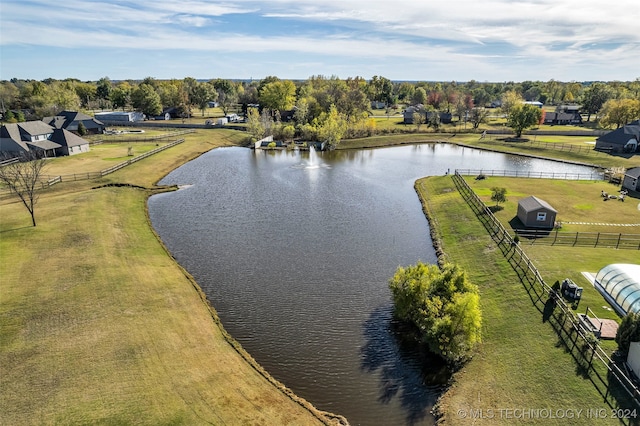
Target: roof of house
[(33, 128), (63, 119), (66, 138), (44, 144), (21, 133), (633, 172), (622, 135), (414, 108), (533, 203), (12, 145), (16, 137)]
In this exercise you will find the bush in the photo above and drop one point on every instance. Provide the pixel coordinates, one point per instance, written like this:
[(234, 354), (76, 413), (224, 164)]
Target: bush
[(443, 305), (628, 331)]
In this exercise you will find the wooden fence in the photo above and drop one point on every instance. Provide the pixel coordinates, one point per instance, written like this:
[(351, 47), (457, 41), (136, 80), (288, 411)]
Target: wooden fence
[(139, 157), (132, 138), (592, 360), (581, 239), (531, 174), (52, 180)]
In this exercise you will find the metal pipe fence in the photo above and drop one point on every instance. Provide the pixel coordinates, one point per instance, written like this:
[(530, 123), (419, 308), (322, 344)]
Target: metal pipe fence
[(531, 174)]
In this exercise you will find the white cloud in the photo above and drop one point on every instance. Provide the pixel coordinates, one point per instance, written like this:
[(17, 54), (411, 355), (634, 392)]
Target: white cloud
[(465, 35)]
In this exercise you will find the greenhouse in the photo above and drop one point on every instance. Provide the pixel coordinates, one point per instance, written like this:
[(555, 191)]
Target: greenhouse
[(619, 283)]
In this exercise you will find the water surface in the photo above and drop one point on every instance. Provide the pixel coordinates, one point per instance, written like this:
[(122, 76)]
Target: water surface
[(295, 249)]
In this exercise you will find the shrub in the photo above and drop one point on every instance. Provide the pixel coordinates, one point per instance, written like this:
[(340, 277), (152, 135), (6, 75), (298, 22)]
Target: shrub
[(443, 305)]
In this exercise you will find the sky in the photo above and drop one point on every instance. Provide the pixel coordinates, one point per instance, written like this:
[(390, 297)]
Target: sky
[(415, 40)]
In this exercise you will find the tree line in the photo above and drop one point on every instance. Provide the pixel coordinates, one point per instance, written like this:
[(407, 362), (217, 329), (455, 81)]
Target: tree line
[(320, 102)]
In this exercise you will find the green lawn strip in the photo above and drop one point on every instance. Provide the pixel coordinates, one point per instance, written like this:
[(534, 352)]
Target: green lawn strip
[(100, 325), (520, 363)]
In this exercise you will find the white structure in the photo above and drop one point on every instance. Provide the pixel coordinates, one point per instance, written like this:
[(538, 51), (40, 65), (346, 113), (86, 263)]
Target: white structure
[(120, 116), (619, 283)]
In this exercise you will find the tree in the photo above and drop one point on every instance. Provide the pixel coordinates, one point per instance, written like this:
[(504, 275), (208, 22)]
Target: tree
[(419, 96), (479, 116), (145, 98), (332, 127), (9, 117), (499, 195), (419, 117), (201, 94), (103, 88), (22, 179), (82, 129), (510, 100), (227, 94), (278, 95), (522, 117), (619, 112), (628, 331), (121, 96), (381, 90), (594, 97), (254, 124), (442, 304)]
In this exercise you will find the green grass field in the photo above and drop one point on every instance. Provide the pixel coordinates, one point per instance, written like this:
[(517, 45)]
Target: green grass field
[(520, 363)]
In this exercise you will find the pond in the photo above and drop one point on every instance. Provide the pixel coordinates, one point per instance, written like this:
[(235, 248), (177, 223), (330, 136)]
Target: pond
[(295, 249)]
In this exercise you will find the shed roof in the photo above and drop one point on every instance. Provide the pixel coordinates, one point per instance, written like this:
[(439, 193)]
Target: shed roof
[(634, 172), (532, 203)]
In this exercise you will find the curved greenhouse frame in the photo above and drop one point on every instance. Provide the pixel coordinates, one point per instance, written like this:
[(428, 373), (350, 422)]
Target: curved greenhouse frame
[(620, 284)]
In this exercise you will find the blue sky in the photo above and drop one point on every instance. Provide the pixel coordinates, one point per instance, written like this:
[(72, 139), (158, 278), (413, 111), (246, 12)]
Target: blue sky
[(483, 40)]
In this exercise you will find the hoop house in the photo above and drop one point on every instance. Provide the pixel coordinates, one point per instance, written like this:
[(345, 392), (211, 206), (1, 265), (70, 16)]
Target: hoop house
[(620, 285)]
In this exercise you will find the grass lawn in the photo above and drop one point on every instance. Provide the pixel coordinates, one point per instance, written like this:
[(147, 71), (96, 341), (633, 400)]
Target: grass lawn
[(99, 325), (576, 201), (520, 363)]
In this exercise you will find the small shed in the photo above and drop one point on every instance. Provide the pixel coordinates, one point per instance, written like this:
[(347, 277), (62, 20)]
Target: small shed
[(631, 179), (536, 213)]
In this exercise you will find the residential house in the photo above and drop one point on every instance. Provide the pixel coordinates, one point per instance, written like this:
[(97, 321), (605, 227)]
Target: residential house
[(29, 137), (626, 139), (39, 138), (70, 143), (445, 117), (536, 213), (631, 179), (167, 114), (564, 114), (70, 120)]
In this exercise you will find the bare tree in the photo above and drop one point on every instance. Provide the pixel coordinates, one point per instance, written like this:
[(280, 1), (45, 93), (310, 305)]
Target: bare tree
[(22, 178)]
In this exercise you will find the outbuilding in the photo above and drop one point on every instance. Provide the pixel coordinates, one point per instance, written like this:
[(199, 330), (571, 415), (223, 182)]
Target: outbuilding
[(631, 179), (619, 283), (536, 213)]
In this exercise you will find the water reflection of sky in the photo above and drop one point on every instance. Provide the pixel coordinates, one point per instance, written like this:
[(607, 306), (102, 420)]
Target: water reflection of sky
[(294, 250)]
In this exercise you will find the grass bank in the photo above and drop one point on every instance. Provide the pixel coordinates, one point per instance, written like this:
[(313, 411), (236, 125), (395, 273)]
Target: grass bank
[(521, 364), (99, 325)]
